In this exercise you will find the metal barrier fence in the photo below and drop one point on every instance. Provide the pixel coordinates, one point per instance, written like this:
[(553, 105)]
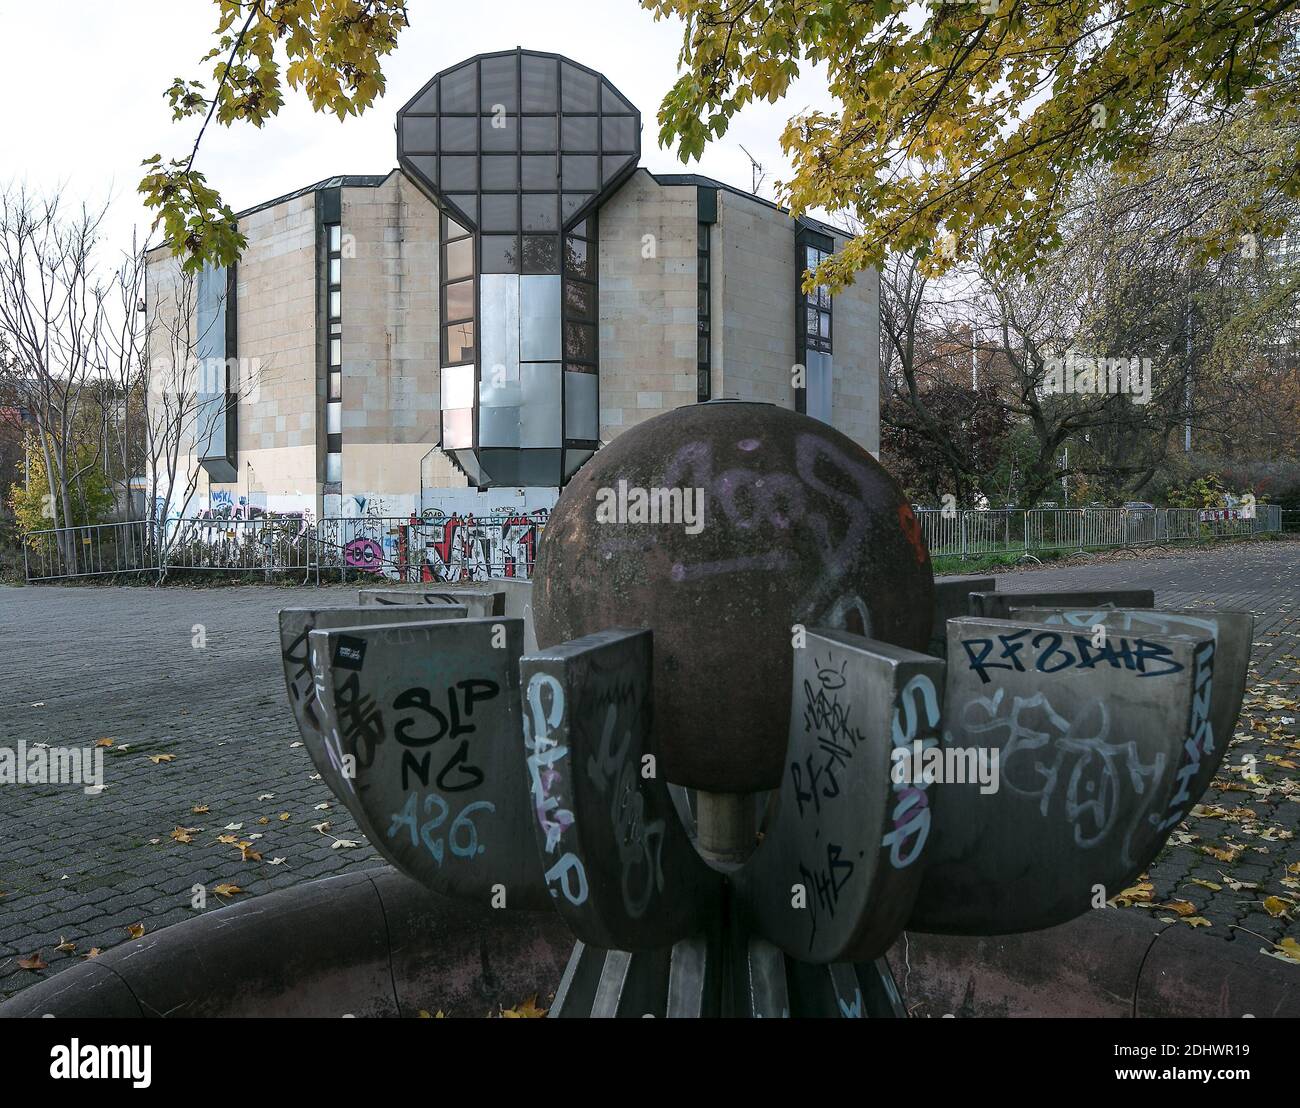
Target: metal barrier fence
[(408, 549), (967, 533), (104, 548), (477, 548)]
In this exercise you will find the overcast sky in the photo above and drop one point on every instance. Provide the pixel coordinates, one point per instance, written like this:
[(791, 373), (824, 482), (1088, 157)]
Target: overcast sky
[(83, 80)]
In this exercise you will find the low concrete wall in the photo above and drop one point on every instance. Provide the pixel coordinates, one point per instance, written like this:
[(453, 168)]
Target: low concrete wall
[(365, 944), (1112, 962)]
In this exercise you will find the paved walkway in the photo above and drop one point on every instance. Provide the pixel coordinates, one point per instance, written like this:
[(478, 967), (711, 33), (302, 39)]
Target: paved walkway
[(194, 674)]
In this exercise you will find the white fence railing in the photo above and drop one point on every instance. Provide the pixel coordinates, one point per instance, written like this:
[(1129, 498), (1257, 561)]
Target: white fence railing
[(968, 533)]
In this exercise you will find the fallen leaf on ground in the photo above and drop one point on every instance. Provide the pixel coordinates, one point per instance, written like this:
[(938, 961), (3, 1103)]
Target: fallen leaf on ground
[(103, 742), (65, 947), (156, 758), (233, 827), (528, 1010), (266, 796), (1288, 950), (1206, 884), (322, 827), (284, 815), (32, 962), (136, 930), (1275, 906), (200, 810), (227, 890), (184, 834), (1139, 892), (93, 952), (1182, 907), (343, 844), (277, 861), (248, 854)]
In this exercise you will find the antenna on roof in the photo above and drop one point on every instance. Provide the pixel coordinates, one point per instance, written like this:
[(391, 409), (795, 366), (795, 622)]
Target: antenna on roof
[(756, 173)]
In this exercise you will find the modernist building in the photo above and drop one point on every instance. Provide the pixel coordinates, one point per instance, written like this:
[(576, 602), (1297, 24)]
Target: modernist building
[(461, 334)]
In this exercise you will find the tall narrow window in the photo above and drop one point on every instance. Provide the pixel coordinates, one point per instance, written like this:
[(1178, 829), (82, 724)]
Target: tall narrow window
[(813, 325), (703, 366), (334, 320)]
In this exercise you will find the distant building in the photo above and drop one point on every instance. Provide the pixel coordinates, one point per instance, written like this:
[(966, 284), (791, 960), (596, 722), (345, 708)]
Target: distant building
[(461, 334)]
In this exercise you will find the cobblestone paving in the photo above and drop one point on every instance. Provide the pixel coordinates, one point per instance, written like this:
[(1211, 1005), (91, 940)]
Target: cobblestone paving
[(83, 664)]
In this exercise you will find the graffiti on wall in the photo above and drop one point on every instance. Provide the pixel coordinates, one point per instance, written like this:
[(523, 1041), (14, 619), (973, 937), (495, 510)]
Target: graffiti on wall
[(469, 548)]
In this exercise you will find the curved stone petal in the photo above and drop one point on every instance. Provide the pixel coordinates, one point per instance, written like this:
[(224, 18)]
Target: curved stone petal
[(480, 602), (996, 605), (621, 868), (1221, 680), (841, 862), (295, 655), (1088, 742), (429, 713)]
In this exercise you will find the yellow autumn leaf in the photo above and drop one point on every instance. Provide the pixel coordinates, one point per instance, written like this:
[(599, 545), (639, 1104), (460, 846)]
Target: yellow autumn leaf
[(528, 1010), (199, 810), (136, 930), (1275, 906), (1196, 921), (1288, 950), (156, 758), (1182, 907), (1139, 892), (65, 947), (227, 890), (103, 742)]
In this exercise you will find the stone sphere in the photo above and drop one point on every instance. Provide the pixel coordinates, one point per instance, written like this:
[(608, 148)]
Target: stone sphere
[(721, 526)]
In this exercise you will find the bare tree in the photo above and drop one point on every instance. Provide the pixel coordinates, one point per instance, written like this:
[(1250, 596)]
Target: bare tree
[(52, 309), (124, 409), (186, 395)]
